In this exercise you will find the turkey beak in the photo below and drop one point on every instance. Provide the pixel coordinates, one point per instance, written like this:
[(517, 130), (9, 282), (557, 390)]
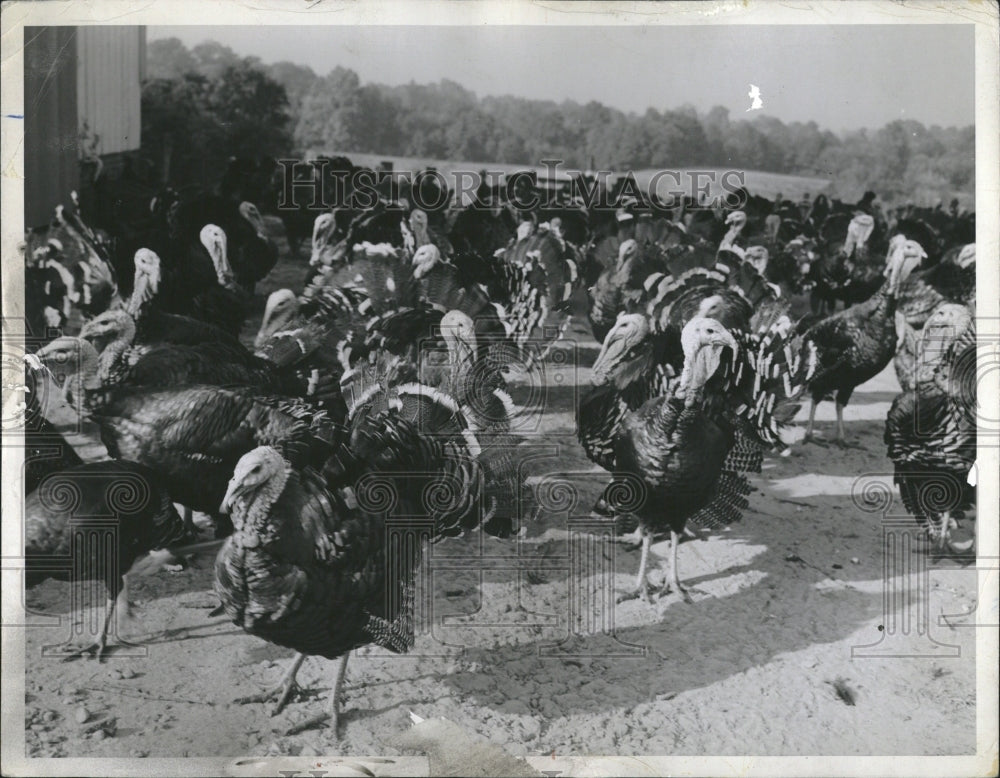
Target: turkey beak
[(609, 356), (714, 356), (326, 257), (232, 491), (265, 331), (35, 365), (249, 212)]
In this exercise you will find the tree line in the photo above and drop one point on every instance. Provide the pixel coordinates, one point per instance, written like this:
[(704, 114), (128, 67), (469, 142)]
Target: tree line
[(207, 102)]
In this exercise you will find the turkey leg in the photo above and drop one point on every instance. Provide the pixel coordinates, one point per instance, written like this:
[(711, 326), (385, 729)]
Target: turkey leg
[(114, 603), (333, 714), (286, 687), (641, 584), (671, 578), (841, 438), (812, 418)]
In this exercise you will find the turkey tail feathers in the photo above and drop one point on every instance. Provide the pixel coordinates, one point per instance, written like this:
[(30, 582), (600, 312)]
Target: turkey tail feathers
[(781, 366)]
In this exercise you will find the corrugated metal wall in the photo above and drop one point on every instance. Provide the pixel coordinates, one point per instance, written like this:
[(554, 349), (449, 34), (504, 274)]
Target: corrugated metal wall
[(74, 75), (51, 170), (111, 65)]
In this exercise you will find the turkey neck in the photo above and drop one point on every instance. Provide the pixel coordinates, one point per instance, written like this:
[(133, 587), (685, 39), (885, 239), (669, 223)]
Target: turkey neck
[(142, 296), (884, 302), (252, 511), (110, 358), (83, 385)]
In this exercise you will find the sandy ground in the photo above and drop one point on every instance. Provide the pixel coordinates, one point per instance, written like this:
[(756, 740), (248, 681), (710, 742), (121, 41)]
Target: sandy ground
[(523, 643)]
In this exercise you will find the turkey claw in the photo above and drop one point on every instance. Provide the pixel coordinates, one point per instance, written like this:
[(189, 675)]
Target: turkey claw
[(70, 651), (281, 694), (315, 721), (684, 592), (639, 593)]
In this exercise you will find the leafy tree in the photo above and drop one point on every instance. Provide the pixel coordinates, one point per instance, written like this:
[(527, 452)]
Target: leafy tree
[(213, 58), (209, 101), (169, 58), (251, 109), (178, 130)]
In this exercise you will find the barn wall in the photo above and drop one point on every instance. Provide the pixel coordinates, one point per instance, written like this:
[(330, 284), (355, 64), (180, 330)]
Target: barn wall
[(51, 171), (111, 64)]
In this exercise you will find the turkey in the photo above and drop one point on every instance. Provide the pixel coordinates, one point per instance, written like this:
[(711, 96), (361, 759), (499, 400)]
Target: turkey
[(45, 449), (689, 446), (420, 232), (121, 342), (922, 350), (382, 223), (387, 281), (251, 253), (952, 280), (191, 277), (129, 367), (309, 334), (930, 432), (223, 303), (75, 263), (59, 512), (444, 352), (191, 435), (616, 288), (643, 352), (152, 324), (847, 268), (856, 344), (542, 280), (737, 223), (312, 563)]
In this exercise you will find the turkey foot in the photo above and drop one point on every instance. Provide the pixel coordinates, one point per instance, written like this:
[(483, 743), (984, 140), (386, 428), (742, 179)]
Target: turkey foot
[(70, 651), (684, 591), (632, 541), (332, 715), (284, 691), (671, 581), (643, 593), (312, 722), (642, 588), (99, 647), (812, 437)]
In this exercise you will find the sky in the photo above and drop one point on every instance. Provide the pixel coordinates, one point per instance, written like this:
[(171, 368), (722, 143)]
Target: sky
[(842, 77)]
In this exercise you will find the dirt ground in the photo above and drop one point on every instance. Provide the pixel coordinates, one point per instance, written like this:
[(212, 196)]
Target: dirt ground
[(525, 645)]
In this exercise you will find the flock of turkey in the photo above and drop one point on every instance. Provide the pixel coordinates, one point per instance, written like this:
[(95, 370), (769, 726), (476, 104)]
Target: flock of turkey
[(380, 389)]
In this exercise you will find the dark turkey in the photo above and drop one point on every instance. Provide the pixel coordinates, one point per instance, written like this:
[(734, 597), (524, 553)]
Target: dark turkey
[(64, 518), (323, 562), (690, 445), (856, 344), (617, 288), (251, 253)]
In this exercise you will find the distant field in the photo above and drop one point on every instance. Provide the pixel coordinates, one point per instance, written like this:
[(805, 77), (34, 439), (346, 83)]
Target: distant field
[(757, 182)]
